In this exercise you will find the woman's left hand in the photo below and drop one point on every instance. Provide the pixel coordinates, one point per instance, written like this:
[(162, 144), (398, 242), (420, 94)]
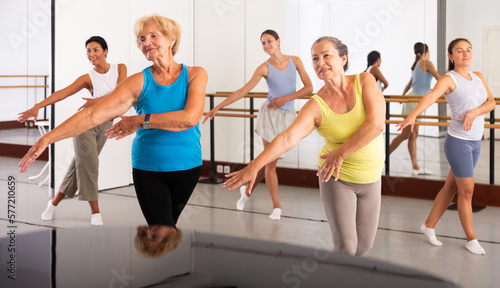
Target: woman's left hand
[(276, 103), (332, 164), (469, 119), (128, 125)]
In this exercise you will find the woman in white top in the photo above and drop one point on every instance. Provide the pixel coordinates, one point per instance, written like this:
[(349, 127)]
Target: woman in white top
[(82, 174), (470, 99), (373, 67)]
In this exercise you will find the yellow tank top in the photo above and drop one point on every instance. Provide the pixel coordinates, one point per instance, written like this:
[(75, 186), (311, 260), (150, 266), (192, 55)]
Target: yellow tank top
[(363, 166)]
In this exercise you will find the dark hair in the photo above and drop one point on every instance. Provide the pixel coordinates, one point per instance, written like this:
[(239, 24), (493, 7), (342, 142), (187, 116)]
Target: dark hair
[(272, 33), (372, 58), (338, 45), (419, 49), (452, 44), (99, 40)]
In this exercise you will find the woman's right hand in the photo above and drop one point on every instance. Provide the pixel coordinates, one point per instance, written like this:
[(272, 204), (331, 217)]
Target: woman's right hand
[(23, 116), (409, 121), (33, 154), (238, 178), (210, 114)]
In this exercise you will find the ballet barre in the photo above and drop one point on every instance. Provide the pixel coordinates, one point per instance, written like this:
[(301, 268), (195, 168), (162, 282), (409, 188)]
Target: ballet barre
[(45, 85), (407, 99), (242, 113)]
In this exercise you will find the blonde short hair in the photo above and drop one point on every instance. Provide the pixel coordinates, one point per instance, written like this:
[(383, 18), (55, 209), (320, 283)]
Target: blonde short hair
[(167, 26), (169, 243)]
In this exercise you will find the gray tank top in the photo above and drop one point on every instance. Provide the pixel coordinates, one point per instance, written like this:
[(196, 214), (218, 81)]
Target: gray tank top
[(468, 94)]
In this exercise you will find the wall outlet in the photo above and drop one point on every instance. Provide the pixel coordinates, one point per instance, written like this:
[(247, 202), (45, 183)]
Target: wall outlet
[(227, 169), (219, 168)]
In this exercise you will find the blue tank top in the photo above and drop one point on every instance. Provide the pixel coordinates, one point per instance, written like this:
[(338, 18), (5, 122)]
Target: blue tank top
[(282, 83), (160, 150), (420, 80)]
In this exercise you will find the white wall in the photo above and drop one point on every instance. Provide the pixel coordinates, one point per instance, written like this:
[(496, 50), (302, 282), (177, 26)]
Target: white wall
[(25, 46)]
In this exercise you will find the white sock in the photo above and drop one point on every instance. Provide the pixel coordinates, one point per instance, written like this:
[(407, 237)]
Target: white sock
[(241, 203), (474, 247), (431, 235), (276, 215), (96, 219), (48, 214)]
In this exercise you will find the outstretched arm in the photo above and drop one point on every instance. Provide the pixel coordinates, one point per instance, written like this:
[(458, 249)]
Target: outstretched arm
[(118, 102), (79, 84), (444, 86), (260, 72), (308, 117)]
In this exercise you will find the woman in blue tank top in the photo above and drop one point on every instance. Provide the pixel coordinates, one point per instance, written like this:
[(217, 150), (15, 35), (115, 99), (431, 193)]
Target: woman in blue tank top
[(277, 113), (169, 99), (470, 99), (422, 72)]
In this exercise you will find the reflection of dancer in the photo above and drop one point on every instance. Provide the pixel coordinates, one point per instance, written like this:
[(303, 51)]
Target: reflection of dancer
[(169, 99), (422, 72), (277, 113), (82, 173), (469, 98), (156, 240), (348, 111), (373, 67)]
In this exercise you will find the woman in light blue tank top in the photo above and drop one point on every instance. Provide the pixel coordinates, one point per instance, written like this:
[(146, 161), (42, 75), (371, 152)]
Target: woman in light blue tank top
[(469, 99), (277, 113), (422, 72)]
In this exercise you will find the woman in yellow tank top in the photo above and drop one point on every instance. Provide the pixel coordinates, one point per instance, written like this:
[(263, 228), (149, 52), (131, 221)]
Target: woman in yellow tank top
[(349, 112)]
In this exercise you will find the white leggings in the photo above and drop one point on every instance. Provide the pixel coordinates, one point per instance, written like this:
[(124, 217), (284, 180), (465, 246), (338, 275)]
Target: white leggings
[(352, 211)]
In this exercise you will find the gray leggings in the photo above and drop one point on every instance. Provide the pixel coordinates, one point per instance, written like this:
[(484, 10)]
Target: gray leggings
[(352, 211)]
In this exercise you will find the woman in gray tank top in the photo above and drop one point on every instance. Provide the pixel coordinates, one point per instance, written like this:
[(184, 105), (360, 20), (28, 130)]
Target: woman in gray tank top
[(470, 99)]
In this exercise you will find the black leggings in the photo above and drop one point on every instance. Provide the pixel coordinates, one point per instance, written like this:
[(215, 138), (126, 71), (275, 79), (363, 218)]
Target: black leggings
[(163, 195)]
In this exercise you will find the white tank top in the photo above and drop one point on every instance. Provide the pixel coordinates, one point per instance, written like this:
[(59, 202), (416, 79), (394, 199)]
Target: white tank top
[(103, 84)]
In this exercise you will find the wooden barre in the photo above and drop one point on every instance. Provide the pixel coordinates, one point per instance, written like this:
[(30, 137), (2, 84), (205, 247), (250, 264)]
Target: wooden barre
[(435, 117), (26, 86), (441, 124), (238, 110), (234, 115)]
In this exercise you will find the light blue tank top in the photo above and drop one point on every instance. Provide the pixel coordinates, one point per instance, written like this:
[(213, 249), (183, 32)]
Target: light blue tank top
[(467, 95), (160, 150), (420, 81), (282, 83)]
